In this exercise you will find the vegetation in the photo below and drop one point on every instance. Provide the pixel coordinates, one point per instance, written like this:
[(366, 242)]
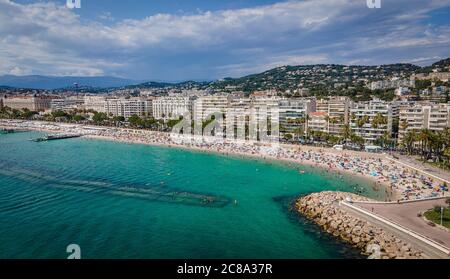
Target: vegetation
[(430, 145), (434, 215)]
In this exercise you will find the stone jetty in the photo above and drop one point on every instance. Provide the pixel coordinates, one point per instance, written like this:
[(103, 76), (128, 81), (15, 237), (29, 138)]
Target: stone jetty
[(323, 208)]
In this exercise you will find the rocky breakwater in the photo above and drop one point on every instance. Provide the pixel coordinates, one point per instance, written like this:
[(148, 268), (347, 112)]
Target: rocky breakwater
[(323, 208)]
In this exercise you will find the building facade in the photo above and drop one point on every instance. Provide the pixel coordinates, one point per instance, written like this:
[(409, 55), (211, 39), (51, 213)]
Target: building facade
[(33, 103), (293, 115), (127, 107), (95, 103), (168, 107), (372, 120), (435, 117), (338, 113), (318, 121)]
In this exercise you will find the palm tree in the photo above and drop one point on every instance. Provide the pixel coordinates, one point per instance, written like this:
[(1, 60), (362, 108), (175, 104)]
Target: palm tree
[(379, 119), (404, 125), (346, 131), (424, 138), (362, 121), (408, 140), (307, 118), (357, 140)]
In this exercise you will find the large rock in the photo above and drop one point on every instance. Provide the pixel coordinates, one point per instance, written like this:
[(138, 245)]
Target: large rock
[(323, 209)]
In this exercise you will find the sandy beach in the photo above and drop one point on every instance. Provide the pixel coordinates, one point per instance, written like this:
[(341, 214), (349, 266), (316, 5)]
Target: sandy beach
[(399, 182)]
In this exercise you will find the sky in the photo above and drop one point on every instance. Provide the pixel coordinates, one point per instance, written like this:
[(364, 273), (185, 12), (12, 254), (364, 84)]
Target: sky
[(176, 40)]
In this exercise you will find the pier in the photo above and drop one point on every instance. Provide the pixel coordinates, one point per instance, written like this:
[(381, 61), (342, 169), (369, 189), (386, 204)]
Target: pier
[(56, 137)]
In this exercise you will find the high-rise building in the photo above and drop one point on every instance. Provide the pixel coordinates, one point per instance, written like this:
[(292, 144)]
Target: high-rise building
[(293, 115), (168, 107), (127, 107), (206, 106), (374, 119), (338, 112), (415, 117)]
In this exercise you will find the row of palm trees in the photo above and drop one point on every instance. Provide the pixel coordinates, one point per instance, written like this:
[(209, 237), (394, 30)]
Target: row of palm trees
[(430, 145), (346, 134)]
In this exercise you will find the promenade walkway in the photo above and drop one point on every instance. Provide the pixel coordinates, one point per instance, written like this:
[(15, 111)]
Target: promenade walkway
[(402, 219)]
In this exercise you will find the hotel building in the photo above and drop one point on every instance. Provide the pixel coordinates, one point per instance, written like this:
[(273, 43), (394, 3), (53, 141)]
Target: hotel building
[(33, 103)]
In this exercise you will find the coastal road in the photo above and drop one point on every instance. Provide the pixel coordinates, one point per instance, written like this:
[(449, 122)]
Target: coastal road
[(405, 214)]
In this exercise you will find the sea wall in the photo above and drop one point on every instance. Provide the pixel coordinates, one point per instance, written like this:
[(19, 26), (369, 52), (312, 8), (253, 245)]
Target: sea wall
[(323, 208)]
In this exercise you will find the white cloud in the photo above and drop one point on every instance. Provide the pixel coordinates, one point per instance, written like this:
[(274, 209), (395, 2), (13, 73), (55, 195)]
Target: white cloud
[(47, 38), (17, 71), (240, 69)]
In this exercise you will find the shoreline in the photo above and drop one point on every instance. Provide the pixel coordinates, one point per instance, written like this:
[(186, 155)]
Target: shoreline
[(370, 181), (375, 169)]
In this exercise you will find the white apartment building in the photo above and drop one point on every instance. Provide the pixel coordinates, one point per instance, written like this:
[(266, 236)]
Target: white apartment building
[(127, 107), (66, 103), (318, 121), (292, 111), (168, 107), (266, 108), (390, 84), (206, 106), (435, 117), (338, 112), (96, 103), (368, 111)]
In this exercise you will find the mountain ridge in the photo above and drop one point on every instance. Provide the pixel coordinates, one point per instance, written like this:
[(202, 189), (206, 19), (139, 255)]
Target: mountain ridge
[(324, 76)]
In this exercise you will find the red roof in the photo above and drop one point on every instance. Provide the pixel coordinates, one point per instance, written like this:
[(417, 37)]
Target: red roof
[(318, 113)]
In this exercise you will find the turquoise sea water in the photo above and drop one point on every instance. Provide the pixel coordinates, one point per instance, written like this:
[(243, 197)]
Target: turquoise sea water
[(134, 201)]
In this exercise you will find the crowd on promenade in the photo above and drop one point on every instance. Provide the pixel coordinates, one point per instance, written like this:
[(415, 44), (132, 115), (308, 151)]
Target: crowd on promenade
[(405, 183)]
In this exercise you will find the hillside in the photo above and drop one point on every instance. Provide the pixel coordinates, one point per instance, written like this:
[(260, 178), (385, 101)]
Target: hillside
[(316, 77)]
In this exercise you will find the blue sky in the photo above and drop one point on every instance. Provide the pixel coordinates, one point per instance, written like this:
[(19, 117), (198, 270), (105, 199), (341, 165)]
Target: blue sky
[(209, 39)]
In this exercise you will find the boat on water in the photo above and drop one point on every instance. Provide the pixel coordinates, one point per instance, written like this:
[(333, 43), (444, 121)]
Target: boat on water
[(56, 137)]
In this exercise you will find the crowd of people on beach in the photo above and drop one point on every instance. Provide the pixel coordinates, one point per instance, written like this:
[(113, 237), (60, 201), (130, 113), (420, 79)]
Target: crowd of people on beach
[(406, 184)]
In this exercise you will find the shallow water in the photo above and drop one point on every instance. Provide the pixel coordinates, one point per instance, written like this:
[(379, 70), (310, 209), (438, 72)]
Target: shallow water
[(120, 200)]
